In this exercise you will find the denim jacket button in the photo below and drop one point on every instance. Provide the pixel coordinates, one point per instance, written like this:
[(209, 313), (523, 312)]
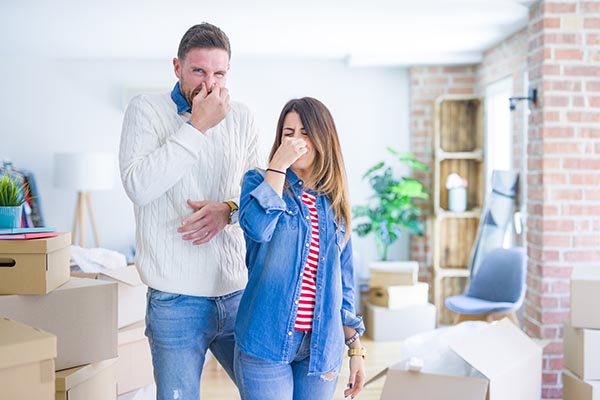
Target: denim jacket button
[(296, 302), (290, 333), (307, 244)]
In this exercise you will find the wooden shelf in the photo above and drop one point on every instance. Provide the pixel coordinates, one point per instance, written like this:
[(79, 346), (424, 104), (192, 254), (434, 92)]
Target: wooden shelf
[(458, 148)]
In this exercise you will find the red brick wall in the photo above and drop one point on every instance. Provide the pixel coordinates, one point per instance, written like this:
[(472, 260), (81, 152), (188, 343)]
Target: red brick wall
[(563, 198), (426, 84)]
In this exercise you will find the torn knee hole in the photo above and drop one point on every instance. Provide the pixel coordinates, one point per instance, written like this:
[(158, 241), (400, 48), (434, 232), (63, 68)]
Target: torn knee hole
[(329, 376)]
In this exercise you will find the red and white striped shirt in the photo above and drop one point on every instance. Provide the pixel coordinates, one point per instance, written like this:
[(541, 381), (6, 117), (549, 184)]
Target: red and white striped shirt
[(308, 291)]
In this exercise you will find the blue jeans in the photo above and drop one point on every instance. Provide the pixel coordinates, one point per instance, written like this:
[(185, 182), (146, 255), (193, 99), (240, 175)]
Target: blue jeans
[(180, 330), (260, 379)]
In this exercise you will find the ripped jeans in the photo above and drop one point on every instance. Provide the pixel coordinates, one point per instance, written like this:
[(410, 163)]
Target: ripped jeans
[(260, 379)]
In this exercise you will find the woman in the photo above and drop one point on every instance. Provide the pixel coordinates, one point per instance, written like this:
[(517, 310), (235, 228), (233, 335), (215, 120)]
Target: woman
[(298, 307)]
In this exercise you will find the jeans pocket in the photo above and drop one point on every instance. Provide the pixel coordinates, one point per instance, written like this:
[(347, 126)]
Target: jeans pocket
[(159, 298)]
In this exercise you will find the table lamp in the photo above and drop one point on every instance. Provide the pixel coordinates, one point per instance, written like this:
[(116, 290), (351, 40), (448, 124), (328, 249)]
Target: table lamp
[(84, 172)]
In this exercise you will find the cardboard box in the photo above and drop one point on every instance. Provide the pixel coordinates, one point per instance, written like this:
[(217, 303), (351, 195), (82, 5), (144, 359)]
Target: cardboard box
[(26, 362), (34, 266), (577, 389), (383, 324), (392, 273), (585, 295), (582, 351), (95, 381), (131, 289), (134, 366), (395, 297), (82, 313), (510, 364)]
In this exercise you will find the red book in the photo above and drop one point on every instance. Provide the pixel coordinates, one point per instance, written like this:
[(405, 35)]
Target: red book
[(24, 236)]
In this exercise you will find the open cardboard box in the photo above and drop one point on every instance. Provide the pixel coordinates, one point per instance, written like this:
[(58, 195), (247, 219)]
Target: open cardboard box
[(131, 292), (508, 361)]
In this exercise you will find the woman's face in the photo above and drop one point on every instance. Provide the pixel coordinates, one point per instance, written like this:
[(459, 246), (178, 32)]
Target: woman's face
[(292, 127)]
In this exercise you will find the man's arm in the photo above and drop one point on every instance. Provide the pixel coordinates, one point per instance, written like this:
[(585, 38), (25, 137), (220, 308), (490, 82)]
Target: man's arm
[(149, 168)]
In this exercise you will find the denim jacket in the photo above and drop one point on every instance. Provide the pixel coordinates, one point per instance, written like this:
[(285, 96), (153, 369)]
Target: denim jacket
[(278, 234)]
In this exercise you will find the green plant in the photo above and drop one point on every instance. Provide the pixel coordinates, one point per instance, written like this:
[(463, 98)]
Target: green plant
[(12, 192), (394, 205)]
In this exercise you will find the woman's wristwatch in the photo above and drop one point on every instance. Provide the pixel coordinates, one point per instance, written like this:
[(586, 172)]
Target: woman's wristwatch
[(357, 352)]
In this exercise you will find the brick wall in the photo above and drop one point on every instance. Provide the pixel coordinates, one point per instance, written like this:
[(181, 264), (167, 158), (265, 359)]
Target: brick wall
[(426, 84), (563, 199)]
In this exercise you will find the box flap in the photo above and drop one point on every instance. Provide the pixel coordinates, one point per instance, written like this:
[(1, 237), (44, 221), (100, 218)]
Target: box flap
[(394, 266), (495, 350), (128, 275), (585, 273), (30, 246), (69, 378), (21, 344)]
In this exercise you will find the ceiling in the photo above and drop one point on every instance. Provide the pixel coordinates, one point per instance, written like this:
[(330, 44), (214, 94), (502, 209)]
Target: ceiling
[(373, 33)]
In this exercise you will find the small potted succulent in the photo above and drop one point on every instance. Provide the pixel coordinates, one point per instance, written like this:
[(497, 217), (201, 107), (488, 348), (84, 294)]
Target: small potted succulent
[(13, 193)]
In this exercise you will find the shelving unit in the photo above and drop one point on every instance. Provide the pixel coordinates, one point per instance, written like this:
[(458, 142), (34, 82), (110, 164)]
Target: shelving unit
[(458, 148)]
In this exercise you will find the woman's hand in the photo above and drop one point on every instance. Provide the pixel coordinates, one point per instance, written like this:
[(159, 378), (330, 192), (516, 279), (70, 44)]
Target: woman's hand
[(289, 151), (357, 378)]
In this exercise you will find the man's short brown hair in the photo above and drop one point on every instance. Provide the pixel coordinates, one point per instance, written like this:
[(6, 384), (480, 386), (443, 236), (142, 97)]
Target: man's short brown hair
[(203, 36)]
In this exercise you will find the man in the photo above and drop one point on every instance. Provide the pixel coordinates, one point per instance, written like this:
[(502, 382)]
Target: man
[(182, 158)]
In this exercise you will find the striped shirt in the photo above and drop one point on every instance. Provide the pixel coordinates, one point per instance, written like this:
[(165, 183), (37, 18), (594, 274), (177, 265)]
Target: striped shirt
[(308, 290)]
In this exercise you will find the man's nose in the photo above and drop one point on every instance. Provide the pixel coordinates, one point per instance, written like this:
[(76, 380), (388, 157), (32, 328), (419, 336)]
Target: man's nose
[(209, 81)]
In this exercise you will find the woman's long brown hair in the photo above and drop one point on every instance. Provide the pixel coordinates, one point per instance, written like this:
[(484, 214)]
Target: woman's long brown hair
[(328, 168)]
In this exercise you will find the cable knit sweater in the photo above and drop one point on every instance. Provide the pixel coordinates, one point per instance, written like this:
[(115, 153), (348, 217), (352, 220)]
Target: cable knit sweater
[(164, 161)]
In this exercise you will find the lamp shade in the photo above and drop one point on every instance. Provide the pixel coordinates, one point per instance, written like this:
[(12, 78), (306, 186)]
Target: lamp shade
[(84, 171)]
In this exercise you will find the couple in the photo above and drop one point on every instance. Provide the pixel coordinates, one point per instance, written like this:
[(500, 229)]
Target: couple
[(182, 157)]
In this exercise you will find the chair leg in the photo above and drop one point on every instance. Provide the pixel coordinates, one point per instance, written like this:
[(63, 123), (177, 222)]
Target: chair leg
[(469, 317), (458, 318)]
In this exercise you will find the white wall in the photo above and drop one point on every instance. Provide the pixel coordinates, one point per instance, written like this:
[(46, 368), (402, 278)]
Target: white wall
[(49, 106)]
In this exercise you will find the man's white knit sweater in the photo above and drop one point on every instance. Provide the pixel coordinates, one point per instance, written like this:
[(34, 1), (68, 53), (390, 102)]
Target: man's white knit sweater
[(164, 161)]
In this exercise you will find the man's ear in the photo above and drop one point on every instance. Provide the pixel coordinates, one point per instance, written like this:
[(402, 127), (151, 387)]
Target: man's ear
[(177, 67)]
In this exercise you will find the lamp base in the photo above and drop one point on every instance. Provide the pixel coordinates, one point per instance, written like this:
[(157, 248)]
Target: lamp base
[(83, 198)]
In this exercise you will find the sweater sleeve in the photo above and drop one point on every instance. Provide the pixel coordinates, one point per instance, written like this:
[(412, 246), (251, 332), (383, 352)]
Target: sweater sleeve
[(148, 167)]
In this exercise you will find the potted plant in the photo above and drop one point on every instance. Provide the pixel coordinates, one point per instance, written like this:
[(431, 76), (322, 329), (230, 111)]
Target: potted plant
[(394, 204), (13, 194)]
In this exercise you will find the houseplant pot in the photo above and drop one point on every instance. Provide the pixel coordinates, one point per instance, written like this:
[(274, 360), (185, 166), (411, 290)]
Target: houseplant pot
[(12, 196)]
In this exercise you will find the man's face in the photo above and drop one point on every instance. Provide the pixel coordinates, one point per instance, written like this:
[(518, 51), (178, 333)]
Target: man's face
[(208, 66)]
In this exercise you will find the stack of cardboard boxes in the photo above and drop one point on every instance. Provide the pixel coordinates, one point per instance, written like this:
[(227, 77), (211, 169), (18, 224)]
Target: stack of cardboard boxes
[(134, 365), (581, 378), (398, 305), (81, 314)]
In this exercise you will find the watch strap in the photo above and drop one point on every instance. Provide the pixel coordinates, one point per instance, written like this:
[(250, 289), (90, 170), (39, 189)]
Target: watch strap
[(357, 352)]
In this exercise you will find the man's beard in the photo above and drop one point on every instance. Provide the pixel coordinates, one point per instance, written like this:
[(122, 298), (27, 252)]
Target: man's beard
[(189, 96)]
